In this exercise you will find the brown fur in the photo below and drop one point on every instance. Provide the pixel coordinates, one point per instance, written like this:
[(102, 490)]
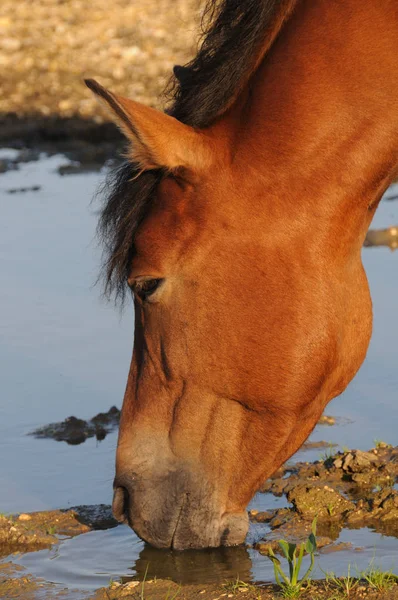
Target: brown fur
[(263, 312)]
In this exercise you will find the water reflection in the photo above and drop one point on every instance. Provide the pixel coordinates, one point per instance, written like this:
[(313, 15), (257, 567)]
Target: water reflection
[(192, 566)]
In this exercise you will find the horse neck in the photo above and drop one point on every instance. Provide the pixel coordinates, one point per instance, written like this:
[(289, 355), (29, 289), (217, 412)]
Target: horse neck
[(322, 108)]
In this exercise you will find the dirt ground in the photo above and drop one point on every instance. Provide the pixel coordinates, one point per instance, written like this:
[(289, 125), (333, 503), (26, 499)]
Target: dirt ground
[(14, 583), (159, 590), (49, 47)]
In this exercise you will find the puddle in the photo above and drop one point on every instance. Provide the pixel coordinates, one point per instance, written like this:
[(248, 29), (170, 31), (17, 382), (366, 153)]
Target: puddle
[(91, 560), (64, 352)]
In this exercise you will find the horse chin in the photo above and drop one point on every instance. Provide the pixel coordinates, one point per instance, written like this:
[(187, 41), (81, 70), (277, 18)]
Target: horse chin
[(230, 530)]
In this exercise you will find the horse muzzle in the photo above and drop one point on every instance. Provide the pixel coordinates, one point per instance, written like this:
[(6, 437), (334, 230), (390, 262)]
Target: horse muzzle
[(176, 510)]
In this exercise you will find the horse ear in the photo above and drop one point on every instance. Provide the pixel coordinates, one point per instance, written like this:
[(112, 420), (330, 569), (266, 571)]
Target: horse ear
[(157, 140)]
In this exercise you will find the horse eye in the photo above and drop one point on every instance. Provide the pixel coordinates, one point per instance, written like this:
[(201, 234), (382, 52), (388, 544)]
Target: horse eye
[(145, 288)]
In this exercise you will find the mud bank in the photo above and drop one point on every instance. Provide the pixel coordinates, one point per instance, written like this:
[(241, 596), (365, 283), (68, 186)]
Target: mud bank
[(159, 590), (84, 141), (350, 489), (28, 532), (15, 583)]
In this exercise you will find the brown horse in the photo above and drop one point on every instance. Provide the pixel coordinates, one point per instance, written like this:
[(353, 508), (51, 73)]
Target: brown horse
[(238, 223)]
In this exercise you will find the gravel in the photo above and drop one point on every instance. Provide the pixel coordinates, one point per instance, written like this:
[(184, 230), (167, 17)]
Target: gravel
[(49, 46)]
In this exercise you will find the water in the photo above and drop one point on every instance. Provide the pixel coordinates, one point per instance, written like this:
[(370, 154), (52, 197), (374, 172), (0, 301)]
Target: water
[(63, 351)]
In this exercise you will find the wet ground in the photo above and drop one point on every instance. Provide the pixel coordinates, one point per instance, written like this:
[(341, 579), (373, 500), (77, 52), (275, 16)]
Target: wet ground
[(63, 353)]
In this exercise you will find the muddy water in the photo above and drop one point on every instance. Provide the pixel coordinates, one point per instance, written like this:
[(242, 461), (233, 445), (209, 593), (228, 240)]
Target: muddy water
[(64, 352)]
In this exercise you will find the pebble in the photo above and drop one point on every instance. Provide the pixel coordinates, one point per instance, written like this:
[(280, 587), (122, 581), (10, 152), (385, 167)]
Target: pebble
[(24, 517)]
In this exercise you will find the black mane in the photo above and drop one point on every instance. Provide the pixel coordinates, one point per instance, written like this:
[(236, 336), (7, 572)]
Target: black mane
[(201, 90)]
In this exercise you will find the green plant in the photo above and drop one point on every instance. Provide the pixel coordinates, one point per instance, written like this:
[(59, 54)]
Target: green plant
[(330, 509), (52, 530), (377, 579), (291, 584), (142, 594), (172, 595), (329, 454), (379, 444), (343, 584)]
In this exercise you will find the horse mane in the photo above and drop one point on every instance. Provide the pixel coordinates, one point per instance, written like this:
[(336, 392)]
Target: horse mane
[(235, 33)]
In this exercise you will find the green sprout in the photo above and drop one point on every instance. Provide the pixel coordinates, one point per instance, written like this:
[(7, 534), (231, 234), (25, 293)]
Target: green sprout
[(291, 584)]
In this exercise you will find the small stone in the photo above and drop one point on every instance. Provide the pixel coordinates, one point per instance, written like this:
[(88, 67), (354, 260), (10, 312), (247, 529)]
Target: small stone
[(64, 105), (12, 44), (261, 516), (327, 420), (24, 517)]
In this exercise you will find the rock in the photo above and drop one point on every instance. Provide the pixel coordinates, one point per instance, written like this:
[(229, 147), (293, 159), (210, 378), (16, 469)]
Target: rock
[(327, 420), (75, 431), (316, 445), (95, 516), (261, 517), (322, 502), (356, 461)]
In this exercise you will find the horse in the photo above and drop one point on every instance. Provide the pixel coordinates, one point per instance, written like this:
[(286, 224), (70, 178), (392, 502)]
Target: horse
[(237, 221)]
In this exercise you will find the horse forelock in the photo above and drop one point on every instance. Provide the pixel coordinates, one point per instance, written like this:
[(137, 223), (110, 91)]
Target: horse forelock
[(234, 33)]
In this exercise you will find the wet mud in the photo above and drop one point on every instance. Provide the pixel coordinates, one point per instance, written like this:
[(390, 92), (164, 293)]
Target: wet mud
[(161, 589), (351, 489), (35, 531), (15, 583), (75, 431), (85, 142), (27, 532)]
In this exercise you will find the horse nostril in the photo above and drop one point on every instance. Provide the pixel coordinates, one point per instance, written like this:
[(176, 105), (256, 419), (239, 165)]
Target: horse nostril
[(120, 504)]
